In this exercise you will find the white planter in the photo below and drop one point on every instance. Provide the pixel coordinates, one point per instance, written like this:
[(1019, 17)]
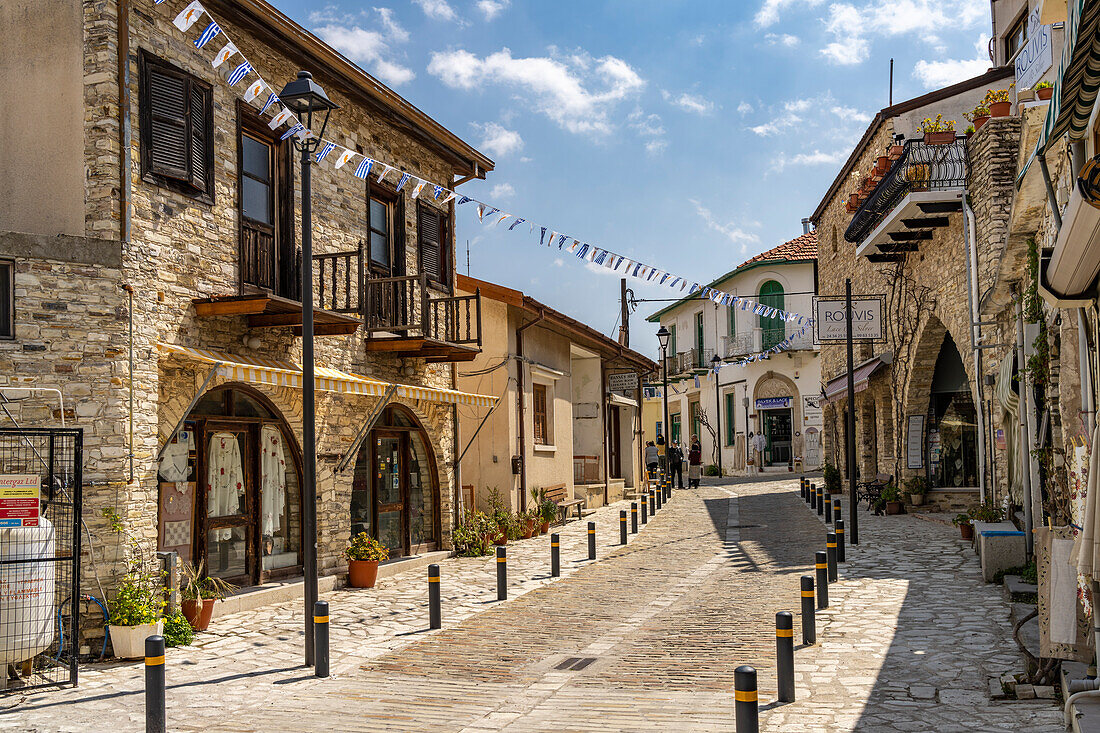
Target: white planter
[(129, 641)]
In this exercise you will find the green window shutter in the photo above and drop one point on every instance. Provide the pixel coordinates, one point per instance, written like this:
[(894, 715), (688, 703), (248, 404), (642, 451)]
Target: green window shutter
[(732, 320), (731, 413), (771, 294)]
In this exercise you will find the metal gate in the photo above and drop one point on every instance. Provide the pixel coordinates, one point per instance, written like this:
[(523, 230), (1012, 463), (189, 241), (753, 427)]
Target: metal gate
[(40, 483)]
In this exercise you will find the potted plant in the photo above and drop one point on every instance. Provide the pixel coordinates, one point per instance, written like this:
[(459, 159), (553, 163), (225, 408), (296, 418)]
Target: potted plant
[(136, 611), (548, 509), (938, 131), (499, 513), (969, 130), (526, 522), (965, 525), (997, 101), (882, 165), (198, 594), (891, 497), (918, 176), (979, 115), (895, 152), (471, 536), (364, 553), (987, 511), (917, 486), (1044, 90)]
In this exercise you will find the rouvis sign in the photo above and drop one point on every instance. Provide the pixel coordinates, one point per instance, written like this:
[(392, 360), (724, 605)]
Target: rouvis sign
[(831, 324), (1037, 56)]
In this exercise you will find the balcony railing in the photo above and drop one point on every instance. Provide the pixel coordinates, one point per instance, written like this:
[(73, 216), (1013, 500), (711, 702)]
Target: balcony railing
[(921, 167), (689, 361), (406, 306), (738, 345)]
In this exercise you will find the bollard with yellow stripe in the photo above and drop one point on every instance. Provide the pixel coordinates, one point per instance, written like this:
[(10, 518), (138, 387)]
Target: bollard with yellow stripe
[(746, 704), (821, 564), (320, 639), (435, 613), (591, 540), (154, 684), (784, 655), (555, 556), (633, 517), (830, 555), (839, 527), (809, 625), (502, 573)]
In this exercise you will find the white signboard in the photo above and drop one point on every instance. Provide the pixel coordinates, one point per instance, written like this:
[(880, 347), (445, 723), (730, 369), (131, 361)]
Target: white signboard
[(867, 312), (1037, 56), (811, 408), (914, 442), (625, 382)]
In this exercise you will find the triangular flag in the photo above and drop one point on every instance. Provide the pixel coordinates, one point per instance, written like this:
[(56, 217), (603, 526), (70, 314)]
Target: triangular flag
[(343, 158), (298, 127), (502, 218), (404, 179), (208, 35), (254, 90), (463, 200), (385, 169), (239, 73), (542, 237), (516, 223), (227, 50), (437, 191), (481, 212), (280, 118), (324, 151), (271, 99), (189, 15), (363, 169), (450, 197), (420, 184)]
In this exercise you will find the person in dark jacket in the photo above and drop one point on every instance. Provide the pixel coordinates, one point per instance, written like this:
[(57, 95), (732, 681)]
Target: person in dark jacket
[(695, 462), (676, 465)]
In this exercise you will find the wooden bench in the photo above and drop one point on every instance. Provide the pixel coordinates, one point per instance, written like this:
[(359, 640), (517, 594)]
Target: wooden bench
[(557, 494)]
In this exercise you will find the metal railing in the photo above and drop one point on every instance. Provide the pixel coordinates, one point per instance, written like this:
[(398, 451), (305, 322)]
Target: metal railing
[(738, 345), (921, 167)]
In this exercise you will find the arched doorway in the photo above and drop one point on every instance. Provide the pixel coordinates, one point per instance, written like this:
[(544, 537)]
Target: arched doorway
[(953, 423), (244, 508), (395, 490), (774, 402)]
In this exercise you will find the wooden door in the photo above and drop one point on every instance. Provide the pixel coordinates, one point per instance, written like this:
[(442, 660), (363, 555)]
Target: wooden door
[(390, 490), (227, 503), (614, 452)]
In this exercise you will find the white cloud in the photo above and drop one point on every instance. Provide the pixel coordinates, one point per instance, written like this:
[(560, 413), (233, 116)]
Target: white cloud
[(817, 157), (744, 108), (850, 113), (782, 39), (562, 89), (437, 9), (729, 230), (656, 147), (937, 74), (558, 262), (502, 191), (492, 8), (646, 125), (768, 14), (689, 102), (371, 48), (793, 113), (497, 140)]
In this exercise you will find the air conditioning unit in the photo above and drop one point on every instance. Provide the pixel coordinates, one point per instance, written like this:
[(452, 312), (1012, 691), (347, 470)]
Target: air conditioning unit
[(1075, 262)]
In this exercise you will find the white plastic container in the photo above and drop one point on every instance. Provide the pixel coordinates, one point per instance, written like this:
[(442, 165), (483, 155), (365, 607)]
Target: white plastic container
[(28, 610)]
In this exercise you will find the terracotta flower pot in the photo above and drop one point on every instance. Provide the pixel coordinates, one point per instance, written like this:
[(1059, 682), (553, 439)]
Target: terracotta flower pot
[(362, 573), (895, 152), (916, 499), (967, 531), (1000, 109), (544, 527), (883, 165), (1045, 93), (893, 507), (198, 612), (501, 537), (979, 121), (939, 138), (528, 528)]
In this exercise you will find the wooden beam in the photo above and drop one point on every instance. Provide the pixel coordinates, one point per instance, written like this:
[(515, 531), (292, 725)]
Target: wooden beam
[(940, 207), (230, 306), (885, 258), (930, 222), (395, 344), (275, 320), (891, 247), (330, 329), (910, 236)]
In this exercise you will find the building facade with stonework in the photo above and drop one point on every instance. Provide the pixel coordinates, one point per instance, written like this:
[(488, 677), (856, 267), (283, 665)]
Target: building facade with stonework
[(152, 260), (777, 397)]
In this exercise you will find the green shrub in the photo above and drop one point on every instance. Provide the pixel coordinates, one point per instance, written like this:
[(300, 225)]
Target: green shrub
[(177, 632), (364, 547), (832, 479), (471, 536), (711, 470)]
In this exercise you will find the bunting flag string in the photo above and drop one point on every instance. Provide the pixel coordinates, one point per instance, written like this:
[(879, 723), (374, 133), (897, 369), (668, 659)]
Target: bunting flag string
[(194, 11)]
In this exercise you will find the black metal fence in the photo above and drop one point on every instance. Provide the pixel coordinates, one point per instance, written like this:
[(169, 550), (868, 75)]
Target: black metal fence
[(40, 493)]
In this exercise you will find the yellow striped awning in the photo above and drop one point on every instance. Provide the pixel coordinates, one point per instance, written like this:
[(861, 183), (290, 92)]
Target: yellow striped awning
[(276, 373)]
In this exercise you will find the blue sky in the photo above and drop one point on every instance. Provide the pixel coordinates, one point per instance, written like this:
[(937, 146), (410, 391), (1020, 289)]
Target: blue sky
[(687, 134)]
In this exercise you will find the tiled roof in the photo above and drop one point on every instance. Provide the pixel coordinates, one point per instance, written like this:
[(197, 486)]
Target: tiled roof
[(799, 248)]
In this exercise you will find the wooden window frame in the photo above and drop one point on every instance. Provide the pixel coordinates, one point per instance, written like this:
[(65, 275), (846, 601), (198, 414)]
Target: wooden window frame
[(539, 417), (395, 208), (730, 404), (1019, 23), (7, 282), (446, 274), (147, 62)]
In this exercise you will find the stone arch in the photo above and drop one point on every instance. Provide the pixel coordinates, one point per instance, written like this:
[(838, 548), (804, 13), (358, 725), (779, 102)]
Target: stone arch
[(919, 382), (775, 384)]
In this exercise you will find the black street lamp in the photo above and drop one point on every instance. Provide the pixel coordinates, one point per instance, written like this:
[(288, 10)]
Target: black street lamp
[(663, 335), (715, 363), (305, 98)]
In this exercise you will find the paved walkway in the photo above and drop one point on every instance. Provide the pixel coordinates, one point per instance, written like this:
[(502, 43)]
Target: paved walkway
[(647, 637)]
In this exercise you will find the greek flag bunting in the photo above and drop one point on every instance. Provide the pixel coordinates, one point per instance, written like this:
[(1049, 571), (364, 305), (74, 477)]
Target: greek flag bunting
[(582, 251), (343, 158), (403, 180), (514, 224), (561, 240), (208, 35), (239, 73), (324, 151), (271, 99), (437, 191), (227, 50), (254, 90), (189, 15), (298, 127), (463, 200), (363, 169)]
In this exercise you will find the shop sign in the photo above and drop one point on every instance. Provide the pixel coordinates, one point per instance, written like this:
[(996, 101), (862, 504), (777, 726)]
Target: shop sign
[(811, 408), (624, 382), (20, 495), (772, 403), (1037, 55), (1000, 438), (830, 323), (914, 455)]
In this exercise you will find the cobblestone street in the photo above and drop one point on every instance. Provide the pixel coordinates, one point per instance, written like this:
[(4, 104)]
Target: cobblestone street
[(660, 626)]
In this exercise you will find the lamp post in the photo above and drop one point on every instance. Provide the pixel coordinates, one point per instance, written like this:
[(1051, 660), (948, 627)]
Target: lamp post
[(715, 364), (305, 97), (663, 335)]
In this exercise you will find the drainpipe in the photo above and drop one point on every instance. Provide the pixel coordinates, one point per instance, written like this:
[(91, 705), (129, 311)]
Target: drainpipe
[(1025, 440), (125, 137), (130, 384), (522, 406), (969, 235), (1088, 399)]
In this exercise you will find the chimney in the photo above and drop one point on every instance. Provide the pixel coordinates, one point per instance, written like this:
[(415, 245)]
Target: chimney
[(806, 226)]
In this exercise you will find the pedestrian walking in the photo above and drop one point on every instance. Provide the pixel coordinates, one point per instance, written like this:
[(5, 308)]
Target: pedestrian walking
[(759, 445), (676, 465), (695, 462), (662, 454), (650, 461)]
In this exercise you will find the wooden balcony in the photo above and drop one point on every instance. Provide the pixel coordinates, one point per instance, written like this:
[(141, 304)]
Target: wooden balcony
[(406, 317)]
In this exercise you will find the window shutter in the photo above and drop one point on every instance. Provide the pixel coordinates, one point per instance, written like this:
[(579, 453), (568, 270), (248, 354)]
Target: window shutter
[(539, 393), (7, 318), (199, 112), (168, 143), (429, 226)]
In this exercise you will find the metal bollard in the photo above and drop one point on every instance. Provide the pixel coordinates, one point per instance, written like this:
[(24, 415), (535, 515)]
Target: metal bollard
[(555, 556), (822, 566), (622, 527), (784, 655), (836, 509), (154, 684), (634, 517), (320, 639), (668, 487), (802, 488), (591, 540), (813, 496), (746, 706), (502, 573), (435, 614), (828, 508), (820, 500), (839, 525), (645, 509), (652, 503), (658, 500), (830, 554), (809, 626)]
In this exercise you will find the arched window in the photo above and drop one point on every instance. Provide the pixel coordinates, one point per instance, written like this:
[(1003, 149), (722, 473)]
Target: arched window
[(771, 294)]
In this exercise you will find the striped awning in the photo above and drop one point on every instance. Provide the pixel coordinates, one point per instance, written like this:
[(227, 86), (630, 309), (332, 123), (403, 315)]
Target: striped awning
[(1078, 79), (275, 373)]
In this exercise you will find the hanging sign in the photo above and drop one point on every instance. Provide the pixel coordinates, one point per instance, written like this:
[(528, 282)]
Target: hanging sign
[(1037, 55), (914, 443), (624, 382), (772, 403), (20, 495), (811, 408), (830, 323)]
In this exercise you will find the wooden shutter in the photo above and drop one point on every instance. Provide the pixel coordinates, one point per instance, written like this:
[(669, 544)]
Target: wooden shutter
[(429, 239), (199, 115), (539, 394), (169, 148), (7, 315)]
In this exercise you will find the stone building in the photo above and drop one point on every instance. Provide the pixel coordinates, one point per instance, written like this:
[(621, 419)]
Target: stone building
[(150, 252), (561, 421), (778, 397)]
